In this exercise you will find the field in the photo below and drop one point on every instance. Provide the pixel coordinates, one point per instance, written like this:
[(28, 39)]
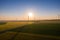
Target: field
[(40, 30), (11, 25)]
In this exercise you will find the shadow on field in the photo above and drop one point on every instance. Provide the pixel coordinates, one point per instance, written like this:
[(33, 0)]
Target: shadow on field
[(45, 29)]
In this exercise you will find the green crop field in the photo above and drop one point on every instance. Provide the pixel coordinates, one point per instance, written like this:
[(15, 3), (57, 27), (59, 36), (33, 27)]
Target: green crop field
[(11, 25), (42, 30)]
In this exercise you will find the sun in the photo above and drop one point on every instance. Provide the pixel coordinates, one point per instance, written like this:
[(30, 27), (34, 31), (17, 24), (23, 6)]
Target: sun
[(30, 14)]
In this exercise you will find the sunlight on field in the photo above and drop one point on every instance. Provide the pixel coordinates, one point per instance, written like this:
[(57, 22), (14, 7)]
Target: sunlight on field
[(10, 25)]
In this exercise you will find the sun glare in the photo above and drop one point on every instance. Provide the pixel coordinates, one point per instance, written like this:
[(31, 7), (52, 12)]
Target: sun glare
[(30, 14)]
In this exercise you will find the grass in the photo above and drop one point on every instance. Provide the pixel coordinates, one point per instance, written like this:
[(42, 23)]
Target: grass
[(41, 28), (2, 23), (7, 35), (25, 36), (36, 31), (11, 25)]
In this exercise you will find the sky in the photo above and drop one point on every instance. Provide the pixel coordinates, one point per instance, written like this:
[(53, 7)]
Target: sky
[(19, 9)]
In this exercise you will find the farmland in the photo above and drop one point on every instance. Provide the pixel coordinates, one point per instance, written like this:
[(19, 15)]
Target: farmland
[(11, 25), (41, 30)]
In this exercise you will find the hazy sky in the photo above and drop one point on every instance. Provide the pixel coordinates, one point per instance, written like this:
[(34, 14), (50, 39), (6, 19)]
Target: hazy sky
[(41, 9)]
